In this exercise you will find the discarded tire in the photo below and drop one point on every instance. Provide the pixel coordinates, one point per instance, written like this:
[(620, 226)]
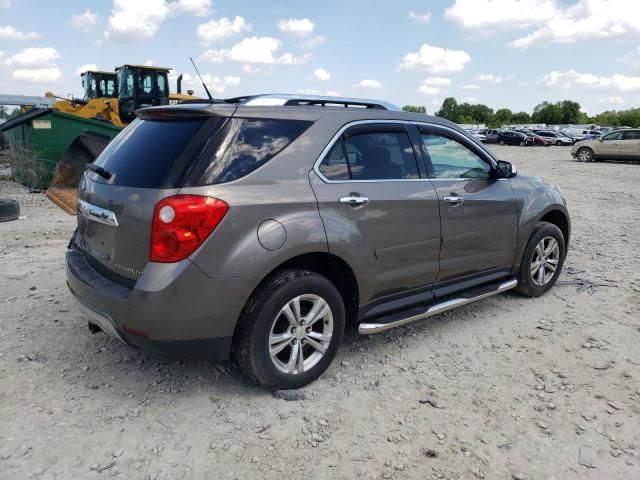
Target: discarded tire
[(9, 210)]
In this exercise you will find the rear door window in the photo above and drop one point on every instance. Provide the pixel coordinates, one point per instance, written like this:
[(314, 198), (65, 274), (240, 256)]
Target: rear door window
[(375, 155), (143, 154)]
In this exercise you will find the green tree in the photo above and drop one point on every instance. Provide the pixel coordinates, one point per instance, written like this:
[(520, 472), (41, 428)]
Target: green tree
[(521, 117), (570, 111), (503, 116), (482, 113), (449, 109), (415, 109), (547, 112)]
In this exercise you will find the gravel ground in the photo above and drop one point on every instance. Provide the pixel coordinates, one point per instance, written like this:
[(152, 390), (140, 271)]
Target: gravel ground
[(505, 388)]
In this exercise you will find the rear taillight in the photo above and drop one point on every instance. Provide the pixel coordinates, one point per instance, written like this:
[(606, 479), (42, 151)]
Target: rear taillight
[(181, 223)]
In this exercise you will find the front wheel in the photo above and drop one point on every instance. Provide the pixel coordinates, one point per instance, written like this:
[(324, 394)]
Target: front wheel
[(542, 260), (290, 330), (502, 142), (558, 143), (585, 155)]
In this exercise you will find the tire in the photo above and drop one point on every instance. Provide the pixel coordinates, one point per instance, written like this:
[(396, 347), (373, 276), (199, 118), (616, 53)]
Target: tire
[(502, 142), (558, 143), (530, 282), (585, 154), (522, 144), (263, 319), (9, 210)]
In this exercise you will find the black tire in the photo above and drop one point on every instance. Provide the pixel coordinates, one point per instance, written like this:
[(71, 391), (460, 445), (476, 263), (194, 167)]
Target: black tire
[(522, 144), (9, 210), (502, 142), (559, 143), (526, 284), (251, 339), (585, 154)]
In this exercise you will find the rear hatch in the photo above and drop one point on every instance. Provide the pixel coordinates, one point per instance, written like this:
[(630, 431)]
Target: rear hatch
[(148, 161)]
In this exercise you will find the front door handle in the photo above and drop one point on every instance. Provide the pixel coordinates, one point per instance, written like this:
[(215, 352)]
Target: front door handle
[(455, 200), (355, 200)]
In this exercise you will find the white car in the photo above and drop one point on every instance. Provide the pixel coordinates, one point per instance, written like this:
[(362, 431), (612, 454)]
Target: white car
[(555, 138), (477, 135)]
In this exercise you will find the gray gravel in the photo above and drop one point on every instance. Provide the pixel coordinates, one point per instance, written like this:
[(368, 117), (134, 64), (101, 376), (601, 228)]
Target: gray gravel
[(524, 384)]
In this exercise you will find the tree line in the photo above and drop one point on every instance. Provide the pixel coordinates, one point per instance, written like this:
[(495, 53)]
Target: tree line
[(565, 111)]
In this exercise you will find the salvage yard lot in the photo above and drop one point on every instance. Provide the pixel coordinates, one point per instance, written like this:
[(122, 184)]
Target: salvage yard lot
[(508, 387)]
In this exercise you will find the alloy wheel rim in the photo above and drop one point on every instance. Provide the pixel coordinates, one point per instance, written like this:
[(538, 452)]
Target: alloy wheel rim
[(585, 155), (545, 260), (300, 334)]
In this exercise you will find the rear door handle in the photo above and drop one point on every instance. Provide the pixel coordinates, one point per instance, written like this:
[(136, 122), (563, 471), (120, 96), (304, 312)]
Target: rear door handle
[(455, 200), (355, 200)]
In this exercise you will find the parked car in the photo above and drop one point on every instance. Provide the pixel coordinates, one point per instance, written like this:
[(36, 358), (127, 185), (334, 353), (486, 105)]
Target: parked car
[(510, 137), (491, 135), (477, 135), (555, 138), (617, 145), (590, 135), (537, 140), (260, 227), (569, 135)]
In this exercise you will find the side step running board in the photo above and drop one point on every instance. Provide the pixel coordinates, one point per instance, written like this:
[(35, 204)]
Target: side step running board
[(367, 328)]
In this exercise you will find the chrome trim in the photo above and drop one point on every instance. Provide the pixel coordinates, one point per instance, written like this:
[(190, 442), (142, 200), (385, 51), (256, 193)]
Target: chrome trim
[(453, 199), (97, 214), (354, 200), (366, 328), (329, 146)]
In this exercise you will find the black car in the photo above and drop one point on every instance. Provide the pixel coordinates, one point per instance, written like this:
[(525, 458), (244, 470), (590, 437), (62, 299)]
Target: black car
[(510, 137)]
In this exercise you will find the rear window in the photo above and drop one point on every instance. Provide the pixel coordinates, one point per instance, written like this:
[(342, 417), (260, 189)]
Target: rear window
[(245, 144), (143, 154)]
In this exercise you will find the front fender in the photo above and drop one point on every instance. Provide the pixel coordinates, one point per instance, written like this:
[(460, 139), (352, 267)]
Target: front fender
[(536, 198)]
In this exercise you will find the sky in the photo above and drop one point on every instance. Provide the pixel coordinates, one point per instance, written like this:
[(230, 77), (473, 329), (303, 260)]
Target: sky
[(503, 53)]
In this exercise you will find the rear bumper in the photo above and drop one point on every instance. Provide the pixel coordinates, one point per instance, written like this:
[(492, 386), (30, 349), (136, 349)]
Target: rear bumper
[(191, 316)]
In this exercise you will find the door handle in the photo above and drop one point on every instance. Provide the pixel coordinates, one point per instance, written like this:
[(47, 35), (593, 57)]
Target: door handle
[(354, 200), (455, 200)]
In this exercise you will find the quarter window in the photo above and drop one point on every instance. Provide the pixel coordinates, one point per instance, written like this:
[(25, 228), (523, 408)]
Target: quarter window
[(451, 159), (371, 156), (632, 135)]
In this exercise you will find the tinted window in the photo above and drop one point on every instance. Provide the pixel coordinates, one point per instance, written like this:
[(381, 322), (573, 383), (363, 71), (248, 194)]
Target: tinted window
[(245, 144), (451, 159), (371, 156), (632, 135), (144, 152)]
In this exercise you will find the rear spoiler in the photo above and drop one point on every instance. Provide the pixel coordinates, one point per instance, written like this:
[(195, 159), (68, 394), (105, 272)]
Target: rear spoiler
[(187, 112)]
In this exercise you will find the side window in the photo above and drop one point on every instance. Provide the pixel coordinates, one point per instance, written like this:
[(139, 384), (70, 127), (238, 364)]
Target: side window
[(613, 136), (371, 156), (632, 135), (451, 159), (162, 84)]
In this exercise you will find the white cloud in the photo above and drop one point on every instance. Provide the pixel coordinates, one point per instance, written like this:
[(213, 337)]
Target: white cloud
[(368, 83), (85, 20), (313, 42), (86, 67), (216, 30), (470, 86), (5, 3), (37, 75), (612, 100), (487, 14), (420, 17), (214, 83), (299, 27), (332, 93), (436, 59), (428, 90), (199, 8), (571, 78), (136, 20), (253, 70), (10, 33), (149, 62), (311, 91), (470, 99), (488, 77), (438, 81), (254, 50), (586, 20), (321, 74), (39, 57)]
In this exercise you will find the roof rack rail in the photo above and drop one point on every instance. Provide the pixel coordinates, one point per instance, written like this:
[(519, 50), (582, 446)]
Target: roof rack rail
[(276, 99)]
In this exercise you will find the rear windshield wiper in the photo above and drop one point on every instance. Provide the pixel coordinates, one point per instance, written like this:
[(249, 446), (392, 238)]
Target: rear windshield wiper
[(99, 170)]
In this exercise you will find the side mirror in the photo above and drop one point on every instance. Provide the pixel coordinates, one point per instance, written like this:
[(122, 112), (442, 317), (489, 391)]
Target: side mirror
[(599, 139), (505, 170)]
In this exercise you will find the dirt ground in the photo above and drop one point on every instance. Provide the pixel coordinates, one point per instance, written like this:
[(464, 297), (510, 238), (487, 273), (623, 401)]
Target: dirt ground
[(505, 388)]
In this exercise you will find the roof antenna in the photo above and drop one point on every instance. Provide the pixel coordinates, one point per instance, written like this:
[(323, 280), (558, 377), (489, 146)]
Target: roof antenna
[(203, 84)]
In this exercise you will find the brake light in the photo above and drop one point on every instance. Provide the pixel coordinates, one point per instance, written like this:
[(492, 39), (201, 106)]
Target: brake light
[(181, 223)]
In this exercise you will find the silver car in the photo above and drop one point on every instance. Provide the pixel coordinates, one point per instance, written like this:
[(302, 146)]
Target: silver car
[(617, 145), (259, 227)]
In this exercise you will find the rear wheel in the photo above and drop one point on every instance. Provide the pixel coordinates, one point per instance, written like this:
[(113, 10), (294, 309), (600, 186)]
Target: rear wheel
[(558, 143), (585, 155), (501, 142), (290, 330), (542, 260)]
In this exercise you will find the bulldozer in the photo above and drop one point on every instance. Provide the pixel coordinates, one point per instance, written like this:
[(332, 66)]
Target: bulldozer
[(58, 141)]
